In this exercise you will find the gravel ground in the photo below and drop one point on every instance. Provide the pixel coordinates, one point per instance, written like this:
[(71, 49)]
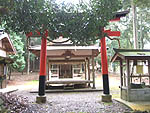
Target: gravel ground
[(77, 102), (87, 102)]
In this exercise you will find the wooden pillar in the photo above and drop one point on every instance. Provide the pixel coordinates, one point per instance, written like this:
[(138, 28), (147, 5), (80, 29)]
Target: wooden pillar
[(85, 69), (149, 70), (121, 73), (121, 77), (48, 70), (124, 78), (128, 79), (41, 98), (104, 64), (43, 61), (93, 71), (89, 71)]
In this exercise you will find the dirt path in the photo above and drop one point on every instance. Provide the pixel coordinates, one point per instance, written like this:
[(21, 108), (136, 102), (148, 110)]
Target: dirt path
[(30, 82), (18, 79)]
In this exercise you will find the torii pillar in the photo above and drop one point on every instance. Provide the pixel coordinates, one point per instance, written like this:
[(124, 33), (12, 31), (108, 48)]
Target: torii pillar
[(41, 98), (106, 97)]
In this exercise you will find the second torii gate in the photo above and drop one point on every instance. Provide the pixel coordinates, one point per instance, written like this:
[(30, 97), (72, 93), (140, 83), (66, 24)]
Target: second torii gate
[(106, 97)]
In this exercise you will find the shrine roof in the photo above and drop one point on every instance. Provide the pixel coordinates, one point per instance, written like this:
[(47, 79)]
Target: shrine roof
[(10, 49), (59, 51), (38, 47), (131, 54)]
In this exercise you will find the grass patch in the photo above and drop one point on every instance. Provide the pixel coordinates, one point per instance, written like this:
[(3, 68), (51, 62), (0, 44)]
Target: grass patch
[(35, 81), (32, 82)]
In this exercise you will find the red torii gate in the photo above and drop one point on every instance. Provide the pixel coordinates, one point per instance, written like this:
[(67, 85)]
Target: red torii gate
[(106, 97)]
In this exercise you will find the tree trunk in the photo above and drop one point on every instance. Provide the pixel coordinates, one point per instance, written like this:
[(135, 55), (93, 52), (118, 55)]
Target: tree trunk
[(141, 33), (135, 38)]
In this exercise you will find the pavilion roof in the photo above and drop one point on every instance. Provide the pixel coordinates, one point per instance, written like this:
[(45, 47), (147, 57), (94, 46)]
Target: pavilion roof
[(131, 54), (8, 43)]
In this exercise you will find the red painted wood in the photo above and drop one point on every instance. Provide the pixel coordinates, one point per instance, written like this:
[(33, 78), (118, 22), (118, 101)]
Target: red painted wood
[(104, 56), (38, 32), (43, 56), (107, 31), (114, 20), (114, 33), (46, 33), (29, 34)]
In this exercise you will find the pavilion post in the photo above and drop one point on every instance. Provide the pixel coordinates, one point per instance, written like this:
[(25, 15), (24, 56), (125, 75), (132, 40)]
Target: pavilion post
[(48, 71), (93, 71), (85, 69), (121, 72), (149, 69), (121, 76), (106, 97), (89, 72), (41, 98), (128, 79)]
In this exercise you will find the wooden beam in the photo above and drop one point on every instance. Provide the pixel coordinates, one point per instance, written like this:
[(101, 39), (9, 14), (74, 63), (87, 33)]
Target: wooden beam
[(114, 20), (68, 81), (66, 61), (75, 56), (37, 52), (112, 33), (137, 57)]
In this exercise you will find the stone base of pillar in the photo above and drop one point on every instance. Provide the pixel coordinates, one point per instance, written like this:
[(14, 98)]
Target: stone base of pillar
[(106, 98), (93, 87), (41, 99), (89, 85)]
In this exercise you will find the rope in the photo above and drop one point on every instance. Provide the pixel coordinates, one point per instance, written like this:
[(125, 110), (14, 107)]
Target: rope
[(57, 42), (114, 39)]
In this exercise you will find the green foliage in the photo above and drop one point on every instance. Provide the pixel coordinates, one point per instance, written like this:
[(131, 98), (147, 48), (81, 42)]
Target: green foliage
[(142, 3), (5, 5), (142, 25), (81, 23), (19, 61)]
